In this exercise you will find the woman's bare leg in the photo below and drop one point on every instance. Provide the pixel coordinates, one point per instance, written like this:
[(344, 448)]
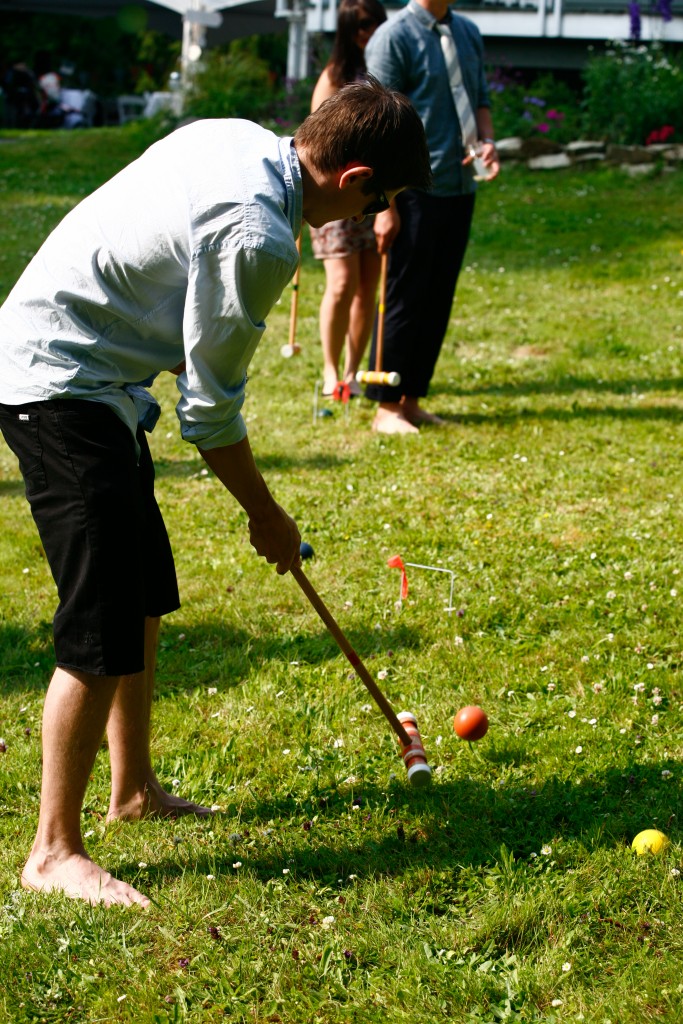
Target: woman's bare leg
[(341, 282)]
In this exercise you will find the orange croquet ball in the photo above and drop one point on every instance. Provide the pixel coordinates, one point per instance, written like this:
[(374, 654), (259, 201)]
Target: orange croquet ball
[(470, 723)]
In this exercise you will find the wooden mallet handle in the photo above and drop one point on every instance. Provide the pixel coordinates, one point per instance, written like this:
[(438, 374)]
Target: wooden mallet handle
[(381, 310), (385, 707)]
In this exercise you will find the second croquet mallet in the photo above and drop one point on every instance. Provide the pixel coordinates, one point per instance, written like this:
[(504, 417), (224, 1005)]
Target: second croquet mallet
[(378, 375), (292, 348), (403, 724)]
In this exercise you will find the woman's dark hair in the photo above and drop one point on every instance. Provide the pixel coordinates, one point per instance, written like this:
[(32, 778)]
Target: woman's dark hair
[(379, 128), (347, 62)]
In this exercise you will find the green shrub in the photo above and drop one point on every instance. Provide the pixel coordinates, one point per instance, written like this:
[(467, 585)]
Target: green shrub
[(547, 107), (633, 91), (232, 83)]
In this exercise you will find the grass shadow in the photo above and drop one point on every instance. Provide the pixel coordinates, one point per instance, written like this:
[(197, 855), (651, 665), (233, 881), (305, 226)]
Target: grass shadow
[(451, 827)]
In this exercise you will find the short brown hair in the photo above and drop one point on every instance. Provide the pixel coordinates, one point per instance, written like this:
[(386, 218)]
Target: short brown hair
[(371, 124)]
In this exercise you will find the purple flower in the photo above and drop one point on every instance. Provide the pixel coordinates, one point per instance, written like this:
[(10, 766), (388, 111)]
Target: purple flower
[(634, 15), (543, 127), (663, 8), (535, 101)]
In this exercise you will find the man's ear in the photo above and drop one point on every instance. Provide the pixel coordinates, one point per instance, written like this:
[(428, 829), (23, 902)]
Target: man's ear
[(354, 172)]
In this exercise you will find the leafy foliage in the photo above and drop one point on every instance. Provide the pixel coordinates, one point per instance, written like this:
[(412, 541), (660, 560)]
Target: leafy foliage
[(546, 107), (633, 90)]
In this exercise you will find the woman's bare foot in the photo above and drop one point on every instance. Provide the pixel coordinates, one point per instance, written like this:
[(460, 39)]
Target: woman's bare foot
[(390, 419), (416, 415), (77, 876), (154, 802)]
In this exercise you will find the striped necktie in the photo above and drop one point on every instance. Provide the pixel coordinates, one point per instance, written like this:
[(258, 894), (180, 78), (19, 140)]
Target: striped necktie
[(463, 107)]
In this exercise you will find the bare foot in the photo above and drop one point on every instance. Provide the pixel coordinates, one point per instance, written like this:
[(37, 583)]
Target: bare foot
[(154, 802), (392, 421), (417, 415), (77, 876)]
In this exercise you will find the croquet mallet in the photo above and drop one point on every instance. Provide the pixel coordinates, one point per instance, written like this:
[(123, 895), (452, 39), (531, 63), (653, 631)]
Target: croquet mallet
[(403, 724), (292, 348), (378, 375)]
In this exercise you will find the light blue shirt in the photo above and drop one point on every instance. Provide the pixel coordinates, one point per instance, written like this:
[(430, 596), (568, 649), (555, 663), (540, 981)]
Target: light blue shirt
[(179, 257), (405, 54)]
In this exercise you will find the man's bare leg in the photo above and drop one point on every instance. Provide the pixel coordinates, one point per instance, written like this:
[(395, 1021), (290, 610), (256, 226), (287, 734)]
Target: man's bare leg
[(135, 790), (74, 719)]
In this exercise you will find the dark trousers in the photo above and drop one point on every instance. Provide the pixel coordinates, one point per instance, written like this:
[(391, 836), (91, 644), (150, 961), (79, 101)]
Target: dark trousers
[(424, 264)]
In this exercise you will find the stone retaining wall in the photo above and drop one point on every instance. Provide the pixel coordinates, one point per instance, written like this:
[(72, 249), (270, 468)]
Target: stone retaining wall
[(541, 154)]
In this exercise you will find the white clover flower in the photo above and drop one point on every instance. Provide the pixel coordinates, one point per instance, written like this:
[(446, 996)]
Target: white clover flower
[(142, 864), (666, 774), (382, 674), (566, 967), (639, 687), (556, 1002), (237, 865), (175, 783), (579, 750), (628, 575), (210, 878), (285, 871), (551, 686), (212, 691), (585, 658), (597, 687), (339, 742), (673, 592), (327, 922), (571, 714), (546, 850), (286, 751), (675, 872), (366, 708), (458, 641), (611, 594), (655, 720)]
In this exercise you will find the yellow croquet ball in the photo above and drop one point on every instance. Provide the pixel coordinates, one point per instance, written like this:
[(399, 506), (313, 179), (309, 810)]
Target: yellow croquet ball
[(649, 841)]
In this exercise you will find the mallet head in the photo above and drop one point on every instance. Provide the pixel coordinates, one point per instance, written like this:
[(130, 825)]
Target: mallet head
[(414, 757)]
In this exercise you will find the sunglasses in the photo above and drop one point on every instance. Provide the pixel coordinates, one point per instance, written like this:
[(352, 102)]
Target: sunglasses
[(378, 205)]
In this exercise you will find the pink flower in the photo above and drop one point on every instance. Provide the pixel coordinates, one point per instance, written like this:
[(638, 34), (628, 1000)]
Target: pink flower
[(543, 127), (555, 115)]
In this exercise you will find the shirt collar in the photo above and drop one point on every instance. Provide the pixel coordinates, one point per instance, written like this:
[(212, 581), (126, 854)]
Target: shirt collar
[(291, 173), (423, 15)]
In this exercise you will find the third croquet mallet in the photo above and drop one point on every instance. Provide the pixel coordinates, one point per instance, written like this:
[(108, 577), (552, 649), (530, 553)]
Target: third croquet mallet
[(403, 724), (378, 375)]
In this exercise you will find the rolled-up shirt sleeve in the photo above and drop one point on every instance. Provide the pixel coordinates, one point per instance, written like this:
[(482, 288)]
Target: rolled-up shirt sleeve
[(230, 292)]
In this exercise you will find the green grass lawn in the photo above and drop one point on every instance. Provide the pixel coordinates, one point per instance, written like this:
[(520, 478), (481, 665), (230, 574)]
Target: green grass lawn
[(325, 890)]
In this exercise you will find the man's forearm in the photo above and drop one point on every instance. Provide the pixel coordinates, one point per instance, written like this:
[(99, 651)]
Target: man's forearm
[(235, 467)]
